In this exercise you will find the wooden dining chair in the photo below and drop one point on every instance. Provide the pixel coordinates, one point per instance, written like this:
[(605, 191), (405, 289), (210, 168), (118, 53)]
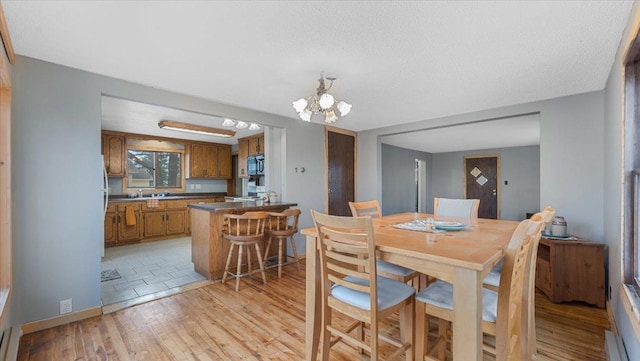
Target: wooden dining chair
[(386, 269), (502, 311), (244, 230), (350, 286), (461, 208), (282, 226), (492, 282)]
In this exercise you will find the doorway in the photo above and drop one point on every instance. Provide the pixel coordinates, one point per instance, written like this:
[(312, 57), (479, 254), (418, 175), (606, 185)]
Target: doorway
[(421, 186), (340, 153), (481, 181)]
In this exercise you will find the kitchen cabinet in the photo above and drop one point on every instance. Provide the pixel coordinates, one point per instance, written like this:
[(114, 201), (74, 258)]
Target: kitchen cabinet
[(209, 160), (224, 162), (243, 154), (113, 150), (248, 146), (571, 270), (116, 229), (156, 219), (168, 218), (256, 145)]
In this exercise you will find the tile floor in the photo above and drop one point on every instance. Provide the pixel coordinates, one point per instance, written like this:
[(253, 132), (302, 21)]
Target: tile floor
[(148, 268)]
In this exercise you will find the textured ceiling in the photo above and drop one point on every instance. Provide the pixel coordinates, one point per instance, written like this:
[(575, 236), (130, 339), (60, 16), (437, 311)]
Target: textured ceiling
[(396, 61)]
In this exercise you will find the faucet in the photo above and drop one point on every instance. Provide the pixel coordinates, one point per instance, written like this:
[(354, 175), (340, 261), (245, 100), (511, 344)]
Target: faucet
[(140, 193)]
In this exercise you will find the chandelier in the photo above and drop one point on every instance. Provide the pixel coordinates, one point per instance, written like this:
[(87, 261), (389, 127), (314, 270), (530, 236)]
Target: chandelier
[(322, 102)]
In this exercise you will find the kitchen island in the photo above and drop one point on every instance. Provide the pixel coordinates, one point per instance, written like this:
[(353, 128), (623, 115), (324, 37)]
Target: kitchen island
[(208, 248)]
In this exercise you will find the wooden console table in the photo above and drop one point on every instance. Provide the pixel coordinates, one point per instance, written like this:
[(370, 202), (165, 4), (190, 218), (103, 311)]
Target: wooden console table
[(571, 270)]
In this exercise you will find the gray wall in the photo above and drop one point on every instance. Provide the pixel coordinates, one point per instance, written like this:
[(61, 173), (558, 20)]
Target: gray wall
[(571, 156), (613, 195), (520, 166), (398, 179), (57, 211)]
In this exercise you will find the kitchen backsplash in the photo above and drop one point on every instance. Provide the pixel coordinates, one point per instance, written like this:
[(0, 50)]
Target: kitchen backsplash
[(193, 186)]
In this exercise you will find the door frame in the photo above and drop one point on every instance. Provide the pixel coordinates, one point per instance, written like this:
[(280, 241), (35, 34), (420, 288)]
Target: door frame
[(498, 177), (327, 129)]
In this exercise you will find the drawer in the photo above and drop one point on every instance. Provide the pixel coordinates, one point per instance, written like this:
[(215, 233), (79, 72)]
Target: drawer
[(123, 206), (150, 205), (175, 204), (111, 207)]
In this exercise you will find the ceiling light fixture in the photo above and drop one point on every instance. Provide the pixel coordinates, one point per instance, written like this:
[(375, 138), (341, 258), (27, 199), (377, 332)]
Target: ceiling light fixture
[(198, 129), (228, 122), (322, 102), (241, 124)]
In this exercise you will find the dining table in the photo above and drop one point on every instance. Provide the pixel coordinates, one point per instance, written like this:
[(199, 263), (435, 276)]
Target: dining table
[(462, 257)]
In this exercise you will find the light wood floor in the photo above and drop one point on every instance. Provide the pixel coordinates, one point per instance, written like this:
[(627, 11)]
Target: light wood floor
[(261, 323)]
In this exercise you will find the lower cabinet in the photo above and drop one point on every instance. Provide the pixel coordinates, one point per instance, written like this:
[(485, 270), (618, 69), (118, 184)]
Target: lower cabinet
[(165, 223), (148, 221), (118, 229)]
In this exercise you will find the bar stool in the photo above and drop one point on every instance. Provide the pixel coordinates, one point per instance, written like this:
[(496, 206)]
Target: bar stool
[(283, 226), (244, 230)]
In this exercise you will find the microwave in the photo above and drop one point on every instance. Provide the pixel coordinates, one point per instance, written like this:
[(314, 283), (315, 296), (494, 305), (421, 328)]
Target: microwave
[(255, 165)]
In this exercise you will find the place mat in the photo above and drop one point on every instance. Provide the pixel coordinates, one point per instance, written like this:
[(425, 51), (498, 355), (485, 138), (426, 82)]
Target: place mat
[(419, 225), (109, 275)]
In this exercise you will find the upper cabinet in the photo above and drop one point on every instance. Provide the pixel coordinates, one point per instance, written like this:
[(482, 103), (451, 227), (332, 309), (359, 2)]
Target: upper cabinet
[(113, 148), (243, 154), (209, 160), (248, 146), (256, 145)]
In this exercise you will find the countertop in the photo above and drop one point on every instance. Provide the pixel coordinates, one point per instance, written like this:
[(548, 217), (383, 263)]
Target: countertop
[(124, 198), (222, 207)]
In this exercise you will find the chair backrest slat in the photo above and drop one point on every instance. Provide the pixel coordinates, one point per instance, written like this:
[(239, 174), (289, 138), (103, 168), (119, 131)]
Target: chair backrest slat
[(461, 208), (347, 249), (248, 225), (366, 209), (286, 220)]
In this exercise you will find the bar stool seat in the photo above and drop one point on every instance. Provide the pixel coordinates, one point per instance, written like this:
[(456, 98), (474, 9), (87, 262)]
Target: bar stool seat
[(244, 230), (283, 226)]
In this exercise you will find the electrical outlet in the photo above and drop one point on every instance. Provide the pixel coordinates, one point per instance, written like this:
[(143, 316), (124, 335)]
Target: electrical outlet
[(66, 306), (198, 186), (193, 186)]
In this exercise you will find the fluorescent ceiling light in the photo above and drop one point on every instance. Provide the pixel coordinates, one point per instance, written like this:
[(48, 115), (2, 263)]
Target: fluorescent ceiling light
[(198, 129)]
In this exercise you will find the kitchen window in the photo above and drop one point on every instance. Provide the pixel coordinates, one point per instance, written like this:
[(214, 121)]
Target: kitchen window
[(154, 168)]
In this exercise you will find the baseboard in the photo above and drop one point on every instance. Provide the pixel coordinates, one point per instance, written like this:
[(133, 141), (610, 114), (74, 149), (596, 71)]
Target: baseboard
[(612, 320), (614, 348), (61, 320), (10, 344)]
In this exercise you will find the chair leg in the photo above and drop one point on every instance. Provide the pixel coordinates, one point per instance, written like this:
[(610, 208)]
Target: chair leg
[(422, 332), (443, 326), (279, 257), (239, 267), (266, 250), (326, 335), (407, 329), (295, 252), (264, 276), (249, 268), (374, 341), (226, 267)]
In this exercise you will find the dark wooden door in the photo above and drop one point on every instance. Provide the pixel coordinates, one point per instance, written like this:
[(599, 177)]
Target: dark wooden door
[(341, 172), (481, 174)]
